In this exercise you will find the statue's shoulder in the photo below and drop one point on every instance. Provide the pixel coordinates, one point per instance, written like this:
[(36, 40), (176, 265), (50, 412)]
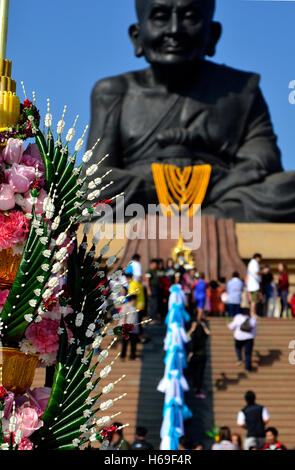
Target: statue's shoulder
[(110, 86), (234, 79), (116, 85)]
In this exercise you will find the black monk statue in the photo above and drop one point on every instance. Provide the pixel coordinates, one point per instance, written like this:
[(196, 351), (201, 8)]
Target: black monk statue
[(186, 110)]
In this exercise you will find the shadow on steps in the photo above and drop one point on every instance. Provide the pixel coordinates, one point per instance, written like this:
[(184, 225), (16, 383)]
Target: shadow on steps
[(202, 409), (268, 360), (150, 401)]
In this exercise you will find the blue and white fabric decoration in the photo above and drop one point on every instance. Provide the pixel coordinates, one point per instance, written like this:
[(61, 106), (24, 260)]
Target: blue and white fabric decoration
[(174, 384), (173, 369)]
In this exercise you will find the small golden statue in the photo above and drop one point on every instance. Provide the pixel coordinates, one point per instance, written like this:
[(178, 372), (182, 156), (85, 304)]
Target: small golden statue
[(182, 255)]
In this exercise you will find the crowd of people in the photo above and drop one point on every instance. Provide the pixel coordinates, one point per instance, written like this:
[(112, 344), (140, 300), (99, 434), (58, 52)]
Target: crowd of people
[(265, 293), (269, 294), (254, 418), (261, 293)]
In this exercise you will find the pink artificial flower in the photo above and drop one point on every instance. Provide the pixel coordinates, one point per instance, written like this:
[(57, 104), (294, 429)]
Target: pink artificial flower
[(7, 200), (2, 164), (39, 398), (44, 335), (25, 444), (30, 421), (20, 177), (13, 151), (32, 157), (32, 150), (13, 229), (8, 404), (55, 312), (28, 202), (3, 296)]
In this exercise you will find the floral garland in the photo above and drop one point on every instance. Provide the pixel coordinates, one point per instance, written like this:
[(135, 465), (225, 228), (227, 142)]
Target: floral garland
[(60, 302), (22, 187)]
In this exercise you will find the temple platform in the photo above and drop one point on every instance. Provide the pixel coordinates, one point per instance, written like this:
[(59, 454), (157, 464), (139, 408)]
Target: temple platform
[(276, 243)]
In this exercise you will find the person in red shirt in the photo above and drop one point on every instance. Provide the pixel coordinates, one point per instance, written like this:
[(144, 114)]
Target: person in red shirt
[(214, 294), (292, 303), (283, 288), (272, 442)]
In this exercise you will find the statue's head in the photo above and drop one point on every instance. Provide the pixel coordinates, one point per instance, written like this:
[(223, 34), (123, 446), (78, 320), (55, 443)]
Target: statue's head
[(175, 32)]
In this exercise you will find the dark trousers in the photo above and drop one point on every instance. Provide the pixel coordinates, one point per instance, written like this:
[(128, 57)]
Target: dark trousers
[(248, 345), (133, 342), (233, 309), (153, 304), (284, 302), (197, 368)]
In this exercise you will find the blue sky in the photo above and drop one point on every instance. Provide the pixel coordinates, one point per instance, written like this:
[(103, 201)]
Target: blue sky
[(60, 48)]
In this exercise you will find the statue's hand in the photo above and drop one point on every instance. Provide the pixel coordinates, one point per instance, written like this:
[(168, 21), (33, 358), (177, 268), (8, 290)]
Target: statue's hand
[(175, 136), (185, 136)]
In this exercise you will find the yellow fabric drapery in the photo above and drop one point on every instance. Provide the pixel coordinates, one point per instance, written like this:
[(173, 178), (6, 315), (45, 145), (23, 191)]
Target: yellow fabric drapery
[(176, 187)]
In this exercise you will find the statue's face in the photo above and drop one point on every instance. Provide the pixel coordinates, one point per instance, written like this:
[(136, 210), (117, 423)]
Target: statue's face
[(174, 32)]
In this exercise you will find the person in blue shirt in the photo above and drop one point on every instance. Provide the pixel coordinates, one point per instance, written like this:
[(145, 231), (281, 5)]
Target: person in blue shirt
[(200, 288), (234, 289)]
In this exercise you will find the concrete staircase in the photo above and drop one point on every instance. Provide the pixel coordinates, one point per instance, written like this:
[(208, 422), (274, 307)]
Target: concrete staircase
[(273, 379)]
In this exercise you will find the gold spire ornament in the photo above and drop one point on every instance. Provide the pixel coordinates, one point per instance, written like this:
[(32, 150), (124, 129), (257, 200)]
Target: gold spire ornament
[(4, 9), (9, 102), (176, 187)]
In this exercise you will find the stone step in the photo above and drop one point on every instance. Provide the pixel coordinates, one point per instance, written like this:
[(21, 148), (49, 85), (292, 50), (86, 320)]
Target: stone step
[(235, 397), (278, 409), (255, 377), (232, 365), (261, 320)]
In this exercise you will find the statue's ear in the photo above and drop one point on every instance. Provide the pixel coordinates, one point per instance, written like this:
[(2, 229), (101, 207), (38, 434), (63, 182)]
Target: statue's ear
[(216, 30), (134, 36)]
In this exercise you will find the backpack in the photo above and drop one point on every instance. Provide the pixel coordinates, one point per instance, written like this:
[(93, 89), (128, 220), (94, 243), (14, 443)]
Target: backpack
[(246, 326)]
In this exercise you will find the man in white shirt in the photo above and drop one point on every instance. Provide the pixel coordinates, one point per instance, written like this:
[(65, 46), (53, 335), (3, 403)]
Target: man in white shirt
[(253, 418), (244, 337), (253, 282), (136, 267), (234, 290)]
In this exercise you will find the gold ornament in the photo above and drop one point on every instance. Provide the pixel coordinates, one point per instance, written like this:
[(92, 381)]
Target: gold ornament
[(18, 369), (176, 187), (9, 264)]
